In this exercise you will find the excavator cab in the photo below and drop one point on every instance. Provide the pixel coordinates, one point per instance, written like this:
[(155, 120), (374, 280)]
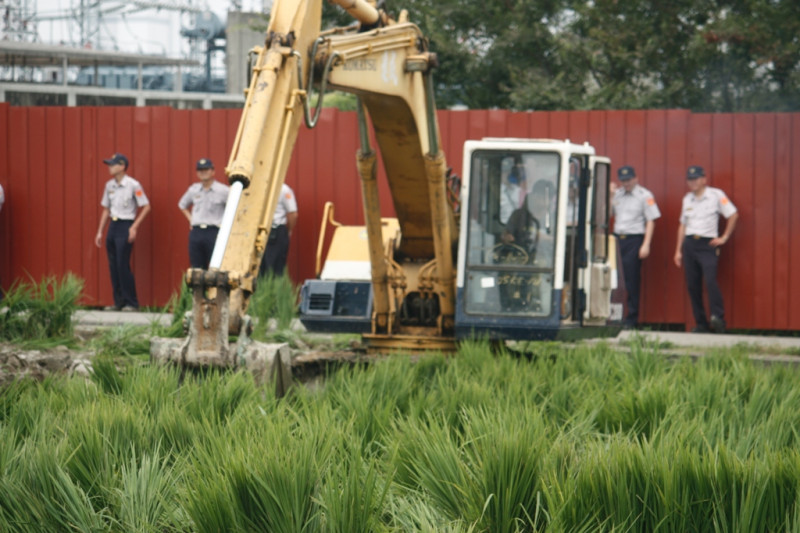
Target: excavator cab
[(533, 259)]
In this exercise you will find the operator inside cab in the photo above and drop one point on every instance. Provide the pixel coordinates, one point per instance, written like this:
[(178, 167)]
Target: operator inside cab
[(512, 233)]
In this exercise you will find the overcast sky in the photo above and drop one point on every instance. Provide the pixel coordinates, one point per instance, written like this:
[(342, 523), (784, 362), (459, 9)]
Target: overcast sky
[(148, 31)]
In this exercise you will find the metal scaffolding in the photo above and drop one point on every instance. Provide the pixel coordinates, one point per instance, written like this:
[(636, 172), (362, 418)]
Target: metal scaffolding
[(19, 22)]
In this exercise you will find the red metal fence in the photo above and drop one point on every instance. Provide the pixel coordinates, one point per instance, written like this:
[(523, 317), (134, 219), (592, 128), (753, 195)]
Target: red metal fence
[(51, 169)]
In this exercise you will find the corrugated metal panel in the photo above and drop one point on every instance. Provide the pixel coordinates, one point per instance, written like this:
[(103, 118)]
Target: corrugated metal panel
[(677, 304), (783, 220), (793, 231), (764, 226), (90, 197), (650, 154), (162, 190), (73, 187), (739, 184), (5, 219), (52, 170)]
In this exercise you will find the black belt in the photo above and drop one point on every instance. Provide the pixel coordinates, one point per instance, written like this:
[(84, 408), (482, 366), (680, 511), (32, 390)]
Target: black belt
[(629, 235), (699, 238), (117, 219), (205, 226), (276, 226)]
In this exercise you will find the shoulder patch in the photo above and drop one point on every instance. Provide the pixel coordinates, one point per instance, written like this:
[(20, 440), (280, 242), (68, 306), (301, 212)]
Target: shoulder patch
[(724, 200), (139, 192), (651, 201), (288, 196)]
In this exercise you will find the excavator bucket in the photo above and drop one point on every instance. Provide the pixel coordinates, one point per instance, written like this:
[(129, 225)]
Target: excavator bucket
[(270, 364), (207, 345)]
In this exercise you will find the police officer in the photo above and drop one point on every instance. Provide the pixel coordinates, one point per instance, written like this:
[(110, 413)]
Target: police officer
[(635, 211), (283, 222), (207, 200), (122, 199), (699, 244)]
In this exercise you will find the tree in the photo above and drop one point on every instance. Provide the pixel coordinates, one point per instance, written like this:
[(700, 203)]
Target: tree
[(751, 56), (705, 55), (484, 47)]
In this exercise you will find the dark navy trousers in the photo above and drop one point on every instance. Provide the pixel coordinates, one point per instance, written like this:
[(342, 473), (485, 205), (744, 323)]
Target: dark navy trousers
[(700, 263), (119, 263), (201, 245), (276, 252), (632, 268)]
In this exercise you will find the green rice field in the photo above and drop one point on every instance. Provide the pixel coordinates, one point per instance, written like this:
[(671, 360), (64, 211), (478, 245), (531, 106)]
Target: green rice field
[(575, 438)]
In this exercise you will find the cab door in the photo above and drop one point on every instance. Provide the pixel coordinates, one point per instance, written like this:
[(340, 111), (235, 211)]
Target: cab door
[(509, 232), (600, 281)]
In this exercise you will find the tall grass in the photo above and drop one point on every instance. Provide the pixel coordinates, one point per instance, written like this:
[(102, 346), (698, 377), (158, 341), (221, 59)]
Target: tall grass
[(123, 340), (146, 499), (38, 311), (353, 493), (275, 298), (576, 439), (179, 303)]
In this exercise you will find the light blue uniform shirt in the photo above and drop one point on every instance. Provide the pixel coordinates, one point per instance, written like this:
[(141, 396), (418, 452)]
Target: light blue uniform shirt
[(208, 205), (123, 199), (632, 210), (700, 216)]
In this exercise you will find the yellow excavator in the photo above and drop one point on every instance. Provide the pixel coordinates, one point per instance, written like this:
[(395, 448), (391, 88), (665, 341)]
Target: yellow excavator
[(519, 250)]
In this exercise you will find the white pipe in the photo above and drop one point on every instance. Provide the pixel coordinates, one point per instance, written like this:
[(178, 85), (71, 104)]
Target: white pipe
[(234, 195)]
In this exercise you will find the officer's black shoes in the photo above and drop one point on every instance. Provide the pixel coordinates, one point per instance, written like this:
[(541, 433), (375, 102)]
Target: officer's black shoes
[(717, 324), (629, 324)]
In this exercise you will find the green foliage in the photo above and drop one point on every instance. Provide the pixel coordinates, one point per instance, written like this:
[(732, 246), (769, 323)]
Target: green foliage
[(576, 438), (122, 340), (40, 311), (179, 304), (338, 100), (146, 499), (704, 55), (353, 494), (106, 375), (275, 299)]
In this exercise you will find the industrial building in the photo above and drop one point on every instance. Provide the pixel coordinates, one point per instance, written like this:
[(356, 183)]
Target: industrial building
[(88, 68)]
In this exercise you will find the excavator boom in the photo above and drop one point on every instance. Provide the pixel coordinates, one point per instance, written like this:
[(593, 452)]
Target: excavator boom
[(387, 64)]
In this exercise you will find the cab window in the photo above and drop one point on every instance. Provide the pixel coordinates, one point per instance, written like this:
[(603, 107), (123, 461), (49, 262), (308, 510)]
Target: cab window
[(600, 214), (511, 232)]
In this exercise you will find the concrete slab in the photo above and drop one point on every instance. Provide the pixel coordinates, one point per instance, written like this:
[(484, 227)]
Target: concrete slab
[(92, 318), (711, 340)]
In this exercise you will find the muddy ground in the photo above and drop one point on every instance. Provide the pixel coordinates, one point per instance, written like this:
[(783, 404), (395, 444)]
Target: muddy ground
[(307, 366)]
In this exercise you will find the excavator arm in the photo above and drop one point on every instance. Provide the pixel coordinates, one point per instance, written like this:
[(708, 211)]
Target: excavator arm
[(386, 63), (390, 70), (256, 170)]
